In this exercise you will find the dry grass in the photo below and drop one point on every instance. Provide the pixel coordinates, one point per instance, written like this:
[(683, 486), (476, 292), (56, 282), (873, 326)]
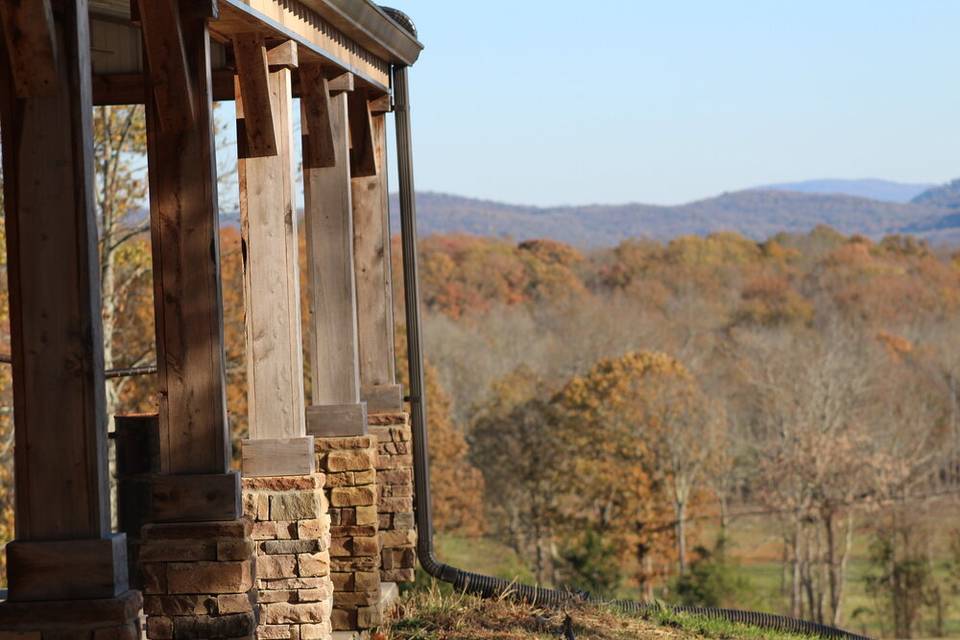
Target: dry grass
[(434, 614)]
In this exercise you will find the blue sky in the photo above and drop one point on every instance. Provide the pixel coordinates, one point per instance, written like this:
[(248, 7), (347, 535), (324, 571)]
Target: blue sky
[(610, 101)]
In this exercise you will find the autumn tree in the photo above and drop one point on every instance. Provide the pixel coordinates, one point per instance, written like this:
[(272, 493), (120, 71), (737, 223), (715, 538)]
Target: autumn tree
[(616, 414), (514, 441)]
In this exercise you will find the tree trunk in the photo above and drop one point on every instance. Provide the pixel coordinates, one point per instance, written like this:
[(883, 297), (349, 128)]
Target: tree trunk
[(681, 508)]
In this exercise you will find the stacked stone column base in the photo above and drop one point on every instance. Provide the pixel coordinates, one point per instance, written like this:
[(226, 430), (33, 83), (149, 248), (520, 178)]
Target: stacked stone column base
[(291, 528), (198, 580), (350, 467), (109, 619), (398, 534)]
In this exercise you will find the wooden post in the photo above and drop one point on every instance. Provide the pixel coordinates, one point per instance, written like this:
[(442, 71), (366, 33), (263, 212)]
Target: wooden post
[(64, 548), (184, 226), (278, 444), (371, 219), (334, 349)]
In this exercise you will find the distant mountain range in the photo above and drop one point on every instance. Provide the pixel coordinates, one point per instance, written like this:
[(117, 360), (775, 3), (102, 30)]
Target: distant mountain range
[(869, 188), (931, 213)]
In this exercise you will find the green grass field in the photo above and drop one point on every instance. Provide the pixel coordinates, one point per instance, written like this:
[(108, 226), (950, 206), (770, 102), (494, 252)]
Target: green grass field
[(756, 546)]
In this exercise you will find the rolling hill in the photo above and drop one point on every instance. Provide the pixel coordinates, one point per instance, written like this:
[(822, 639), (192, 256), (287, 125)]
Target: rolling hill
[(756, 213)]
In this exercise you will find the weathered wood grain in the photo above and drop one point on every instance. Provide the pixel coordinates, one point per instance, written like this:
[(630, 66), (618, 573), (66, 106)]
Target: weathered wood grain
[(67, 570), (53, 275), (256, 121), (371, 245), (278, 457), (337, 420), (316, 127), (188, 303), (363, 154), (271, 279), (169, 75), (283, 55), (328, 215), (29, 30)]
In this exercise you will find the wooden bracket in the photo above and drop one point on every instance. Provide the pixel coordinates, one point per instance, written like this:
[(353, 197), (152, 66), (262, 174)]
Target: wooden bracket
[(341, 83), (363, 155), (381, 105), (166, 56), (204, 9), (318, 130), (256, 135), (30, 34), (283, 56)]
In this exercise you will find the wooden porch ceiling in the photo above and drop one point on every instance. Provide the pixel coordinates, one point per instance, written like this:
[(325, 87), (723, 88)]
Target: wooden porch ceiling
[(353, 36)]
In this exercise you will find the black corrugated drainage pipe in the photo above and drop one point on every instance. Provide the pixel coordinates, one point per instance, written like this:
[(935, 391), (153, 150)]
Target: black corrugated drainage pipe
[(474, 583)]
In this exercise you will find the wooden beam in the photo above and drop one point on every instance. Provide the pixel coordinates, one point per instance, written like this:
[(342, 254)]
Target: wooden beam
[(383, 104), (256, 133), (184, 225), (60, 453), (283, 56), (328, 214), (316, 127), (57, 342), (167, 60), (28, 29), (275, 403), (363, 155), (371, 245), (342, 82)]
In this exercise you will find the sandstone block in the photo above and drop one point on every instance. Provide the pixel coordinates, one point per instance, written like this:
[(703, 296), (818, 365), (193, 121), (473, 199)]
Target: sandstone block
[(234, 603), (178, 550), (301, 505), (315, 595), (284, 483), (353, 460), (313, 564), (197, 531), (179, 605), (343, 619), (314, 529), (399, 575), (369, 617), (209, 578), (282, 547), (286, 613), (354, 496), (159, 628), (396, 505), (273, 632), (241, 549), (399, 538), (367, 515), (315, 631), (270, 567), (202, 627)]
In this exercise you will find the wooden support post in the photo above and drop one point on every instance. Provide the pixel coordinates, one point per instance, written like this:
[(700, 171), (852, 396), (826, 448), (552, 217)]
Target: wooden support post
[(184, 231), (64, 548), (371, 243), (194, 431), (272, 293), (334, 351)]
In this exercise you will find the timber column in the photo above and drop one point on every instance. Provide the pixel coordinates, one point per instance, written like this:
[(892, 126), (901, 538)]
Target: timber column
[(67, 572), (282, 493), (387, 419), (196, 556), (337, 416)]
